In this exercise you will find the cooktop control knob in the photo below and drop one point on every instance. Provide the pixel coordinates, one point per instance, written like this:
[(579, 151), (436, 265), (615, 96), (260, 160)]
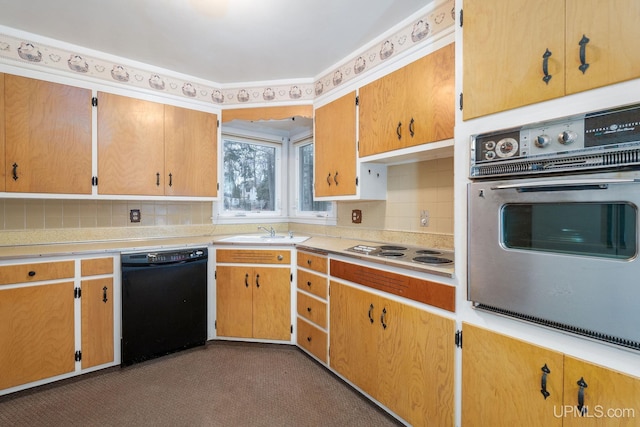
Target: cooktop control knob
[(542, 141), (506, 147), (567, 137)]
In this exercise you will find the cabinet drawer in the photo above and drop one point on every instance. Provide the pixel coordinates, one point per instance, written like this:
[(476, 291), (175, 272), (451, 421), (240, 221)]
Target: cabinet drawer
[(253, 256), (312, 283), (312, 309), (312, 339), (96, 266), (36, 272), (312, 262)]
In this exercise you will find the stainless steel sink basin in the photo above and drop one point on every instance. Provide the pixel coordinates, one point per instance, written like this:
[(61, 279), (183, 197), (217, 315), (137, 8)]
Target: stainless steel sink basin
[(262, 238)]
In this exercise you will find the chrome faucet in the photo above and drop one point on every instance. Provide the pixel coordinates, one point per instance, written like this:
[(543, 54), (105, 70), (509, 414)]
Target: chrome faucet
[(270, 230)]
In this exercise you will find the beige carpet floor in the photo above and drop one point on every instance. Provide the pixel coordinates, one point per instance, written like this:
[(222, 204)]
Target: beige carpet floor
[(220, 384)]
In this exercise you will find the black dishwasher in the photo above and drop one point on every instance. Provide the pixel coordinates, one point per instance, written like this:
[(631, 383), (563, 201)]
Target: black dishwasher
[(164, 303)]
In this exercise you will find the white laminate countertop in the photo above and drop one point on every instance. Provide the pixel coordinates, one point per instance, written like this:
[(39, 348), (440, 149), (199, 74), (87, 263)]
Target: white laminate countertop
[(325, 244)]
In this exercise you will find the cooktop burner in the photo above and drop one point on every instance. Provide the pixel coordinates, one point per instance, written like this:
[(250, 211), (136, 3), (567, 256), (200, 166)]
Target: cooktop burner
[(406, 253)]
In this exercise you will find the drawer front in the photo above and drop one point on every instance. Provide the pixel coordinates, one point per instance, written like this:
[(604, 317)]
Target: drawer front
[(312, 309), (312, 262), (312, 339), (96, 266), (36, 272), (253, 256), (312, 283)]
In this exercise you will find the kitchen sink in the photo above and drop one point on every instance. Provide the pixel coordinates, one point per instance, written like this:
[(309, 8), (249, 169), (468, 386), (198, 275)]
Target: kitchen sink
[(263, 238)]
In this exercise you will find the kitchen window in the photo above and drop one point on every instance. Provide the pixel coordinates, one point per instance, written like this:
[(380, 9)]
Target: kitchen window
[(305, 205)]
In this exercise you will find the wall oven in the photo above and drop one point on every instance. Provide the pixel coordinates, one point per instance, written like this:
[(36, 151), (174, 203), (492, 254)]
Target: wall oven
[(554, 223)]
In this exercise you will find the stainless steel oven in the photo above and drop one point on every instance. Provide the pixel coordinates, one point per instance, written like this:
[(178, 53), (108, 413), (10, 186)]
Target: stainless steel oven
[(554, 223)]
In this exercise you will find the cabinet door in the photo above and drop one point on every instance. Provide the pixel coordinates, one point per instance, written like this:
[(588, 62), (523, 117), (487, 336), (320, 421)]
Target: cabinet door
[(609, 397), (271, 303), (416, 364), (234, 301), (382, 126), (335, 148), (2, 149), (97, 321), (130, 146), (353, 337), (502, 381), (47, 137), (36, 333), (503, 47), (191, 147), (429, 108), (612, 52)]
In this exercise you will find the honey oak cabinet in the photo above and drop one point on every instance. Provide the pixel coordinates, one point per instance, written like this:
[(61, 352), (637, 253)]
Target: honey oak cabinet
[(520, 52), (2, 126), (335, 148), (47, 137), (398, 354), (507, 381), (410, 106), (253, 300), (147, 148), (312, 308)]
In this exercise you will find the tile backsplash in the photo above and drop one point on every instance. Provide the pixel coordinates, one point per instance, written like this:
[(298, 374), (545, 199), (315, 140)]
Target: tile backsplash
[(42, 214)]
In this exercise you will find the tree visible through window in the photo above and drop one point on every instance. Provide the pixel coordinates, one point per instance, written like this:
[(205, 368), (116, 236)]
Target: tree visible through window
[(306, 202), (249, 177)]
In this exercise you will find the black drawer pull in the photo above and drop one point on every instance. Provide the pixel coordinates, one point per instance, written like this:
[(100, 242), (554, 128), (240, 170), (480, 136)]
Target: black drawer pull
[(15, 172), (545, 66), (309, 339), (583, 54), (104, 294), (32, 273), (309, 284), (309, 309), (543, 381)]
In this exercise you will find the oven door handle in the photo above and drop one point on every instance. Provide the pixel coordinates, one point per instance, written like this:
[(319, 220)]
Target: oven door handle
[(565, 185)]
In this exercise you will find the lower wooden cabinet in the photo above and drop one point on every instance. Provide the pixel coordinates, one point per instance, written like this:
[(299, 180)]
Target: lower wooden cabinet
[(398, 354), (507, 381), (37, 319)]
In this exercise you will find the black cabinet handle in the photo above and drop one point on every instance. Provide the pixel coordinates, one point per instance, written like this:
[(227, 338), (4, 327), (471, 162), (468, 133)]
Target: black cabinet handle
[(583, 54), (104, 294), (246, 280), (545, 66), (31, 273), (412, 125), (399, 130), (308, 309), (15, 171), (308, 262), (170, 180), (308, 283), (309, 339), (581, 407), (335, 178), (383, 318), (158, 179), (370, 311), (329, 179), (543, 381), (257, 280)]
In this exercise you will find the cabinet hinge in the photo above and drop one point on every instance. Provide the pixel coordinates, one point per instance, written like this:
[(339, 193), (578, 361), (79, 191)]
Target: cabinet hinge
[(215, 274), (458, 339), (218, 186), (78, 356), (215, 325), (357, 100), (77, 292), (291, 277), (461, 20), (94, 102), (291, 328), (94, 181), (461, 97), (218, 123), (356, 181)]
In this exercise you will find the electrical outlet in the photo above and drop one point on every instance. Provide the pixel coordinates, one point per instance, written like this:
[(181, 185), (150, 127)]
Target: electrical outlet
[(356, 216), (424, 218), (134, 215)]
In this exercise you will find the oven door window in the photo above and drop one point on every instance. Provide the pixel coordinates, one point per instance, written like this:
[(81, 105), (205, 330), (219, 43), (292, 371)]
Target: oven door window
[(597, 229)]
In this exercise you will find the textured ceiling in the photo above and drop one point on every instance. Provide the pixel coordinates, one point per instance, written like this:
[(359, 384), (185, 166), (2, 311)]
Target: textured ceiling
[(221, 41)]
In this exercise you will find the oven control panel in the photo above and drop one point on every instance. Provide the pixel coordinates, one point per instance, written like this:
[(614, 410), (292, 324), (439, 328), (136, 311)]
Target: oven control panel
[(536, 147)]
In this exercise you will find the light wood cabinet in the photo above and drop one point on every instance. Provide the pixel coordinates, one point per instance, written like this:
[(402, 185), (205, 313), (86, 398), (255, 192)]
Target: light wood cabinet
[(398, 354), (335, 148), (2, 126), (507, 381), (147, 148), (253, 301), (312, 308), (410, 106), (47, 137), (508, 48)]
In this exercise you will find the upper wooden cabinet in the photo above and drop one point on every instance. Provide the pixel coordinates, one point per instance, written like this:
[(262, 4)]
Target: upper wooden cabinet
[(335, 148), (146, 148), (521, 52), (2, 117), (47, 137), (411, 106)]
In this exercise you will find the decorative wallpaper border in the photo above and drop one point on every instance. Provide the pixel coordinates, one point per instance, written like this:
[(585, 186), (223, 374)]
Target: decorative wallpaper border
[(420, 31)]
